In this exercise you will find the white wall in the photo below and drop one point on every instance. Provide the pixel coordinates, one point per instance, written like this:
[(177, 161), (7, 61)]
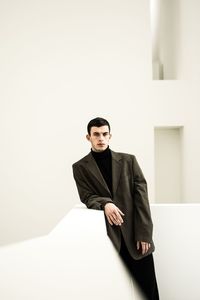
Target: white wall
[(63, 63), (189, 41), (177, 240), (176, 103)]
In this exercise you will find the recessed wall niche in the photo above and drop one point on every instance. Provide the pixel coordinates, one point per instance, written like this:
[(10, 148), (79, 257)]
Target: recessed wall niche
[(168, 164)]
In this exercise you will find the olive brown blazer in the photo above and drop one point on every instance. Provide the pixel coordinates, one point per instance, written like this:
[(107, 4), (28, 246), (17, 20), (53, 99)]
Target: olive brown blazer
[(129, 195)]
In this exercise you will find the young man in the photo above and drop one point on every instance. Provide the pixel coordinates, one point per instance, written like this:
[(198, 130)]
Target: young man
[(113, 182)]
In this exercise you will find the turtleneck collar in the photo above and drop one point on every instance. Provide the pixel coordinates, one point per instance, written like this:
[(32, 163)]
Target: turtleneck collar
[(101, 155)]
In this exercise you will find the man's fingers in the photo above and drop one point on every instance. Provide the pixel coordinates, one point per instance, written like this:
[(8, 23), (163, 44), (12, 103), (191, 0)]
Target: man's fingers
[(138, 245), (114, 214), (121, 212), (114, 220), (118, 218), (109, 220), (144, 247)]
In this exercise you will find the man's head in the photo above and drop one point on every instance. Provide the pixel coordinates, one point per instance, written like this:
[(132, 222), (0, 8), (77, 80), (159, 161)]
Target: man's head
[(98, 134)]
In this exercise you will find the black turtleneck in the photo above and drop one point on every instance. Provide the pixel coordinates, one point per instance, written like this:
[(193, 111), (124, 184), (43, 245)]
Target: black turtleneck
[(104, 162)]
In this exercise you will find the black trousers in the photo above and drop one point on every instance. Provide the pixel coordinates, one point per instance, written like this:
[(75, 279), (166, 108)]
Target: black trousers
[(142, 271)]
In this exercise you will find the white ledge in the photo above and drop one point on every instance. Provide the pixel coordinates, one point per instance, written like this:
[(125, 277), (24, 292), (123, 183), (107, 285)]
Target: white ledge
[(76, 261)]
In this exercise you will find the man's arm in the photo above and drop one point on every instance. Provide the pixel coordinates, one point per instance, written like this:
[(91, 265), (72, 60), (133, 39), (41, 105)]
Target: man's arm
[(112, 212), (87, 196)]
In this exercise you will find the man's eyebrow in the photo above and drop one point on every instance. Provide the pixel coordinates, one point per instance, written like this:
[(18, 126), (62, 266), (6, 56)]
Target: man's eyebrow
[(103, 132)]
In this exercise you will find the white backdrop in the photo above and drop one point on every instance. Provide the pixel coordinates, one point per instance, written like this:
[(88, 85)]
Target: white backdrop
[(61, 64)]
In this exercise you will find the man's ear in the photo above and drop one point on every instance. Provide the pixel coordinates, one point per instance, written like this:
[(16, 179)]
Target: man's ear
[(110, 135), (88, 137)]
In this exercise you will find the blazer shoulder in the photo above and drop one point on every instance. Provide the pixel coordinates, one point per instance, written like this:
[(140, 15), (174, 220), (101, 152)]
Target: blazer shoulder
[(123, 155), (81, 161)]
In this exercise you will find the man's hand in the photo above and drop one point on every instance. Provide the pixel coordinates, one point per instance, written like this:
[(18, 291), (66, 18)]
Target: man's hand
[(113, 214), (144, 247)]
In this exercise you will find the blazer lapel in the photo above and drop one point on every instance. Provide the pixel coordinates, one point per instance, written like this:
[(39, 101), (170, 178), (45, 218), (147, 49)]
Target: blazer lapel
[(116, 170)]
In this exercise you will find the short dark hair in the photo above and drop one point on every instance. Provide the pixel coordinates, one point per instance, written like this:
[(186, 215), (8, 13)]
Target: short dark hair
[(97, 122)]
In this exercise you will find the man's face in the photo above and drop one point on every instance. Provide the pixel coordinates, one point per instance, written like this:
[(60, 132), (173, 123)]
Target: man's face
[(99, 138)]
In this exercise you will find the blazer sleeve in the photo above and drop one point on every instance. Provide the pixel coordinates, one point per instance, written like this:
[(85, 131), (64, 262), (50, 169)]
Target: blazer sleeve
[(86, 192), (142, 217)]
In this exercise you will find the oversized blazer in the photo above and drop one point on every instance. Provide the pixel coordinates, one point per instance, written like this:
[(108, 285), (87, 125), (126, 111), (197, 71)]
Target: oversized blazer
[(129, 195)]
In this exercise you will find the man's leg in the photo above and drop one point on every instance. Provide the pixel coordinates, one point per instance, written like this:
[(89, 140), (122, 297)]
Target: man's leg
[(143, 272)]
